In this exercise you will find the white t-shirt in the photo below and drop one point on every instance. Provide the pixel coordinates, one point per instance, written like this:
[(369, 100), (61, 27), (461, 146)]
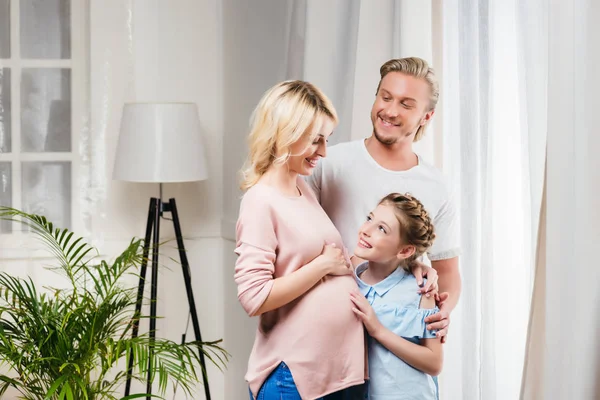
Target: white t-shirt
[(349, 184)]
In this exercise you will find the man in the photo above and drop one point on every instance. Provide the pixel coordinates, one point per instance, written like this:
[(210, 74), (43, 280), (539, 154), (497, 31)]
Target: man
[(356, 175)]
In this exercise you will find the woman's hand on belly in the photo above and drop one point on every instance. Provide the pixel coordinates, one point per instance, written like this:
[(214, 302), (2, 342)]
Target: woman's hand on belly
[(333, 260)]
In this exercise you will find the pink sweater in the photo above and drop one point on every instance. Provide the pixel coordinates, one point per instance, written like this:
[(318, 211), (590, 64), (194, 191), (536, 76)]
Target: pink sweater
[(317, 335)]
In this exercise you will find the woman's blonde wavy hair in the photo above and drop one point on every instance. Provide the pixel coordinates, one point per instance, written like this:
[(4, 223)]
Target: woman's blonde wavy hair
[(288, 112)]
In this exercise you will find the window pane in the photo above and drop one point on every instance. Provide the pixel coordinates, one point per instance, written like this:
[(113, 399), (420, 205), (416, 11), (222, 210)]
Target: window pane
[(5, 193), (45, 110), (46, 190), (5, 118), (45, 28), (4, 29)]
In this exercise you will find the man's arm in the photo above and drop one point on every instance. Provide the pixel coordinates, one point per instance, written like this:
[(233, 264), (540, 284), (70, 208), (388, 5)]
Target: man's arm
[(449, 281), (444, 260)]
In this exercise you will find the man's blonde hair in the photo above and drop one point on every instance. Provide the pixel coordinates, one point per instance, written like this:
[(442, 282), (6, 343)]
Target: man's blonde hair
[(419, 68), (288, 112)]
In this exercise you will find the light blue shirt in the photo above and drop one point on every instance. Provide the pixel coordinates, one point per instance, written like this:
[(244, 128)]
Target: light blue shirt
[(396, 302)]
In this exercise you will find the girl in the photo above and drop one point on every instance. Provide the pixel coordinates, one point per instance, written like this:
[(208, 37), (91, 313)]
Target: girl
[(403, 354), (291, 270)]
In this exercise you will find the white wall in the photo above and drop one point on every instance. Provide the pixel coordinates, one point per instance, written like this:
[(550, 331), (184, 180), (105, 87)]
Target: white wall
[(151, 50)]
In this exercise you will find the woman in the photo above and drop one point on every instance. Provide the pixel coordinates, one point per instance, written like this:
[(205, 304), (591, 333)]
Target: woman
[(292, 270)]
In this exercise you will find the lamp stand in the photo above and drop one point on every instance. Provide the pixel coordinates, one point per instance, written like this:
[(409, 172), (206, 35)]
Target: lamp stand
[(155, 212)]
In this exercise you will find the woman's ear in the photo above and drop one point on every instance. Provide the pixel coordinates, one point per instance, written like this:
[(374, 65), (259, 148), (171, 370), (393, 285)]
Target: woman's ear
[(405, 252)]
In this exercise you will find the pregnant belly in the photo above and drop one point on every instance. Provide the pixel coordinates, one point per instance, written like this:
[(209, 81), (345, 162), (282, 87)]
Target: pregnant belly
[(327, 305), (325, 309), (319, 327)]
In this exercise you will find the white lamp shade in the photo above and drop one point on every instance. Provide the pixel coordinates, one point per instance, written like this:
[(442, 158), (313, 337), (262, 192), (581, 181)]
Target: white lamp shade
[(160, 142)]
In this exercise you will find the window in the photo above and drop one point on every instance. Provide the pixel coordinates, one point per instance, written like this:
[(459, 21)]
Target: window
[(44, 96), (43, 93)]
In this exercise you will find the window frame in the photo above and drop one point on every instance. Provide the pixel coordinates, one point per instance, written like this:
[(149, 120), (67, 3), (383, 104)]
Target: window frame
[(17, 244)]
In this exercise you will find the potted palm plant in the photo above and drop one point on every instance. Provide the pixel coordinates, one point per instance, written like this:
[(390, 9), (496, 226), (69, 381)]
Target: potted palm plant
[(73, 342)]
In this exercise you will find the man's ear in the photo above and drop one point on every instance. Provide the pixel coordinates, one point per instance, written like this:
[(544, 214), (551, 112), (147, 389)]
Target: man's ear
[(427, 117)]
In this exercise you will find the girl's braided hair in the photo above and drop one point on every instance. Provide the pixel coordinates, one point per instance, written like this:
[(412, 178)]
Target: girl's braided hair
[(416, 227)]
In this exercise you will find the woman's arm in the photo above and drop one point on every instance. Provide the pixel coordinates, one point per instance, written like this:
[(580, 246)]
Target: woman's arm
[(427, 357), (257, 243), (288, 288), (259, 292)]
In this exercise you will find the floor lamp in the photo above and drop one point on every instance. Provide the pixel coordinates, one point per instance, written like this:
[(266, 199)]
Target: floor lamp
[(161, 143)]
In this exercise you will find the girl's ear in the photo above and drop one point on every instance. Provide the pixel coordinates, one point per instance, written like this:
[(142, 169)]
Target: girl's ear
[(405, 252)]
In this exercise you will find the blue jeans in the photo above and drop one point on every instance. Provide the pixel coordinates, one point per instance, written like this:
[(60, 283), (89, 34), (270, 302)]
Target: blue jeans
[(280, 386)]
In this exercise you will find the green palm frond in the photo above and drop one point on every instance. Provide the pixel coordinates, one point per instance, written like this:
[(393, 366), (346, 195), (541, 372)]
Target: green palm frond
[(66, 343)]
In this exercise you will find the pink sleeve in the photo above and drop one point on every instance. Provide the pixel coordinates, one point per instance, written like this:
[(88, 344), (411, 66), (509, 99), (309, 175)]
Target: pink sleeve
[(256, 243)]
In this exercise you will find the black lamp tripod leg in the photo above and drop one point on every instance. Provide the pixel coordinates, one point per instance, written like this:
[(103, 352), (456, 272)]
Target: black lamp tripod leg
[(187, 278), (153, 294), (140, 294), (155, 211)]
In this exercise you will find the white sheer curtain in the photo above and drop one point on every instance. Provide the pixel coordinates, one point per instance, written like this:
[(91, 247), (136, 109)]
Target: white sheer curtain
[(493, 154), (562, 363), (330, 67)]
